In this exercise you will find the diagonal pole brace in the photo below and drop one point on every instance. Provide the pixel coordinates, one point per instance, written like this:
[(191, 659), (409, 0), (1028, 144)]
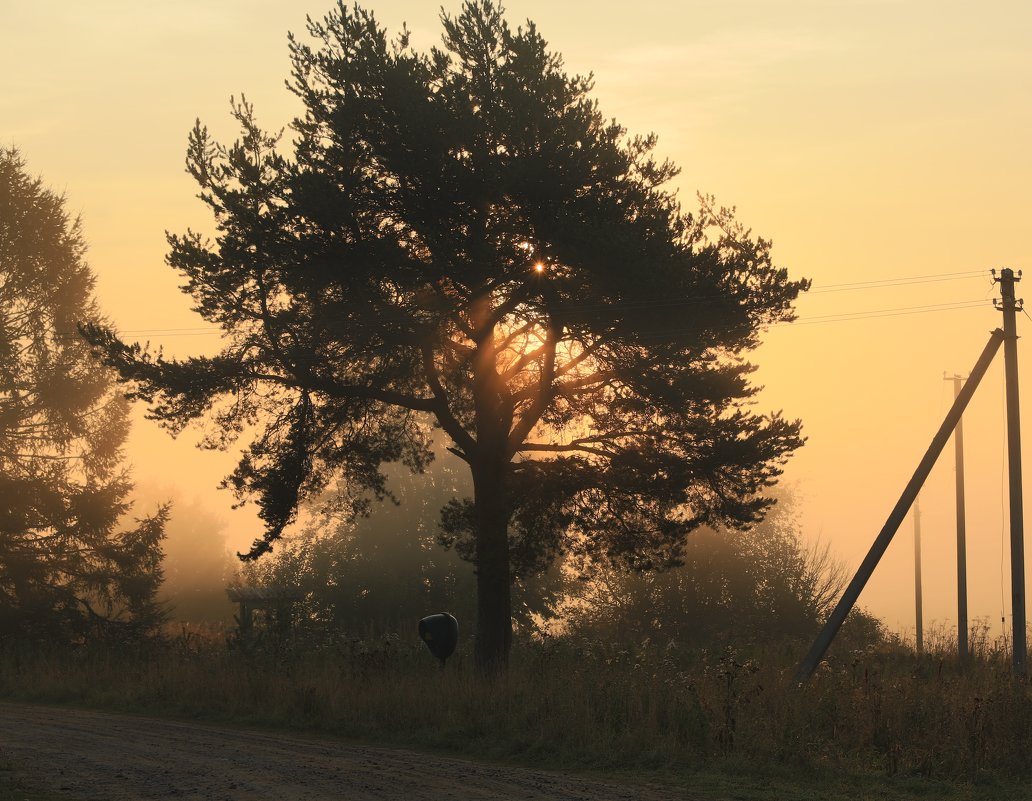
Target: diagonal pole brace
[(881, 543)]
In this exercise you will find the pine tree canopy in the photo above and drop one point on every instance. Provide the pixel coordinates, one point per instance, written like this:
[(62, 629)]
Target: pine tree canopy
[(460, 239)]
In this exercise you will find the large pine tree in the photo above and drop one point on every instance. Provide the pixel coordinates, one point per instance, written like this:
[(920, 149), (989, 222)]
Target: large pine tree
[(65, 566), (462, 240)]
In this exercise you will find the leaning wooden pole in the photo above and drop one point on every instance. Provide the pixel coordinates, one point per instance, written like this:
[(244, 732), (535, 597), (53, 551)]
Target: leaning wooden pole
[(1009, 307), (881, 543)]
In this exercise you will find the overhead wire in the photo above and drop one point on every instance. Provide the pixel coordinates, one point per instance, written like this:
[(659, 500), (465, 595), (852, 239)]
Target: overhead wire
[(671, 304), (837, 317), (894, 282), (904, 311)]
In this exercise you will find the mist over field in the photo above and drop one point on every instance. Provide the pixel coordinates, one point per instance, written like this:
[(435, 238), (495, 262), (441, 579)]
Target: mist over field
[(599, 344)]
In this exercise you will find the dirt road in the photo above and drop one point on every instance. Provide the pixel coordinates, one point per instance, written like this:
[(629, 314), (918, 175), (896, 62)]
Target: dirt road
[(95, 755)]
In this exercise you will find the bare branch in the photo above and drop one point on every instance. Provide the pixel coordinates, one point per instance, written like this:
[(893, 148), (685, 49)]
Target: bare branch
[(556, 447), (443, 410), (545, 394)]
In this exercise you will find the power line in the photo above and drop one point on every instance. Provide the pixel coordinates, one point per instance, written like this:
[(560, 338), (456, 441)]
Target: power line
[(845, 317), (837, 317), (667, 303), (900, 311), (661, 302), (920, 276), (894, 282)]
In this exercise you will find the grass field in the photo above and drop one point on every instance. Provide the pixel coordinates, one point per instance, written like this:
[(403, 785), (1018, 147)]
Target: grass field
[(875, 724)]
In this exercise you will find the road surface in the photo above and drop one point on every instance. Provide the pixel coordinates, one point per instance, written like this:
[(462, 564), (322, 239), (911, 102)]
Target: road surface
[(97, 755)]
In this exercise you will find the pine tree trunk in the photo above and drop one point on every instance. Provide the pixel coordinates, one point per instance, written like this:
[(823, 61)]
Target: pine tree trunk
[(494, 597)]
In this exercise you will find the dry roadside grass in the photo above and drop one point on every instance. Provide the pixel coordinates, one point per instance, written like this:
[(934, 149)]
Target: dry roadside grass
[(873, 724)]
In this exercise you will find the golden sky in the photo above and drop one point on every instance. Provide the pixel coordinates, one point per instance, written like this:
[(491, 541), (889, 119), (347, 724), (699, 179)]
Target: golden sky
[(870, 139)]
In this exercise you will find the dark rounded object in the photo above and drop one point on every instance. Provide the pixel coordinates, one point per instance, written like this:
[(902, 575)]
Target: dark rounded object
[(440, 633)]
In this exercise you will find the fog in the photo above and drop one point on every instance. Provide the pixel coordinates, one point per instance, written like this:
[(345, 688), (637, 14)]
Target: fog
[(871, 141)]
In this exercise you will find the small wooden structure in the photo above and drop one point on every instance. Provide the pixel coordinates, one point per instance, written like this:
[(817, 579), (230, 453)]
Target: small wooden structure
[(277, 599)]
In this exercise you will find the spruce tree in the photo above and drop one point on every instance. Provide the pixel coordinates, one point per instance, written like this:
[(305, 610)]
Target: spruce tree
[(66, 567)]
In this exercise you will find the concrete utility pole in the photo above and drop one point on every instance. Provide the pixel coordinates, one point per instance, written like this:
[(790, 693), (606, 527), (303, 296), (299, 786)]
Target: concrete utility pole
[(1009, 306), (918, 611), (962, 608)]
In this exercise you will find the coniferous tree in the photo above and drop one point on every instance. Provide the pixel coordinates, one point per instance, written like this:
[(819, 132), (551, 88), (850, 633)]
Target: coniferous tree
[(65, 567), (462, 240)]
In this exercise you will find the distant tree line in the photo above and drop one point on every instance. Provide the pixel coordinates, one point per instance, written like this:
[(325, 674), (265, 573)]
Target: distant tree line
[(763, 584), (381, 573)]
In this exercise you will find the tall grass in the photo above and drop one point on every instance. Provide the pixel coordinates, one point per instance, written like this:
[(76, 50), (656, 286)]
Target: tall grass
[(580, 703)]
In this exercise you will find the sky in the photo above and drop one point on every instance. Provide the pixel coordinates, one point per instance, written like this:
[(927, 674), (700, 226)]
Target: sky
[(882, 145)]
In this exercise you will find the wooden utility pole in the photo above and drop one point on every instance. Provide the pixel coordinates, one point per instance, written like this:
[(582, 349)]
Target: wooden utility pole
[(1009, 306), (918, 611), (962, 609), (898, 513)]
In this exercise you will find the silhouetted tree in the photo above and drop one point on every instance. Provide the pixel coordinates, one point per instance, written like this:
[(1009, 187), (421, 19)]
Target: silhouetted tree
[(376, 574), (758, 584), (64, 568), (462, 240), (384, 572)]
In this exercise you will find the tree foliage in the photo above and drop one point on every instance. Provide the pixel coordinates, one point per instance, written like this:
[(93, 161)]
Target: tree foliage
[(374, 575), (460, 239), (383, 572), (65, 568), (763, 583)]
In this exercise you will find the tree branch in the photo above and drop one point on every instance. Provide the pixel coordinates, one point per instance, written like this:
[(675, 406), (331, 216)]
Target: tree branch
[(443, 411), (545, 394), (580, 357), (335, 390), (580, 384), (523, 361), (558, 448)]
